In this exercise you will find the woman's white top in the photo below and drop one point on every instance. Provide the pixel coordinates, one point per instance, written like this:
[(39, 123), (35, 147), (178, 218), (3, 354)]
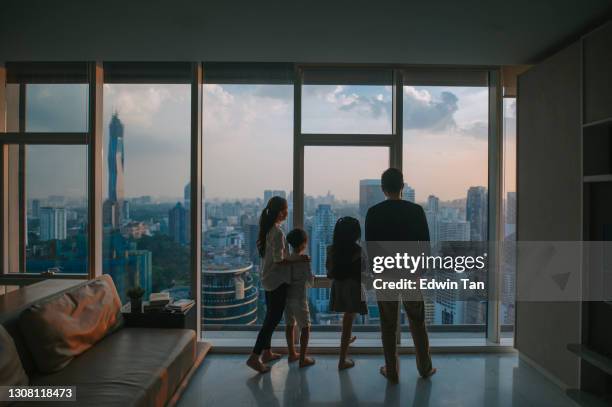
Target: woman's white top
[(272, 273)]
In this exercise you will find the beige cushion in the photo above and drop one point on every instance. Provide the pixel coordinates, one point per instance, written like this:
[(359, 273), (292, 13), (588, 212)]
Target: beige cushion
[(11, 370), (62, 328)]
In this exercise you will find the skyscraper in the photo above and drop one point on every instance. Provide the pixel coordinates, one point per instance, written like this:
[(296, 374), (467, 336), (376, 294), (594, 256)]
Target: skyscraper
[(408, 193), (116, 160), (53, 223), (322, 235), (431, 212), (476, 213), (116, 167), (370, 193), (178, 224), (35, 208), (269, 193)]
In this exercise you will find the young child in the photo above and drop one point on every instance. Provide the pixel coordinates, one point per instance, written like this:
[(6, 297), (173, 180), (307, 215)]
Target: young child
[(296, 310), (345, 264)]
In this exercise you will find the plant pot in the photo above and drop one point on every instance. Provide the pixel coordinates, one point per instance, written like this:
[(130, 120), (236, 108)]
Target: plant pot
[(136, 305)]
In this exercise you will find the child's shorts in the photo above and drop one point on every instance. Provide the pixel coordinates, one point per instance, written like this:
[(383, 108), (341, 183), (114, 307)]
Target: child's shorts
[(297, 313)]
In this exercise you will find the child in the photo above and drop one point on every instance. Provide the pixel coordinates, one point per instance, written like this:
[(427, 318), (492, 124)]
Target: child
[(345, 265), (296, 310)]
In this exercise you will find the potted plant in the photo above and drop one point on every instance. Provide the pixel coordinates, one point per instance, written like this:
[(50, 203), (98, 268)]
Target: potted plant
[(135, 294)]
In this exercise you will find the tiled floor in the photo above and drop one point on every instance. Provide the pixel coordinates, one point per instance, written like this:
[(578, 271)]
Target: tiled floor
[(462, 380)]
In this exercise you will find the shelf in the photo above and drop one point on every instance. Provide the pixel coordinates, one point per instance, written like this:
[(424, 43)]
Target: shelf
[(598, 123), (583, 398), (596, 359), (598, 178)]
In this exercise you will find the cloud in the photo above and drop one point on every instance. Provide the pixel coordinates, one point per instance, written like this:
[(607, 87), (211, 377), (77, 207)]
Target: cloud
[(56, 107), (369, 105), (422, 111), (477, 129)]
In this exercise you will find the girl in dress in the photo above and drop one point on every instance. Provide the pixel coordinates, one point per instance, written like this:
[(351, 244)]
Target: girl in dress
[(345, 265)]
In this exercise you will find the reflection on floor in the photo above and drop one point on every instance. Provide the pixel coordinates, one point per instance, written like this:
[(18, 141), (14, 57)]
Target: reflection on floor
[(462, 380)]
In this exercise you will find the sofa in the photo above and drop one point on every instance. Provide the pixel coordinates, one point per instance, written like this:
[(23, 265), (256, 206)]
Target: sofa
[(75, 336)]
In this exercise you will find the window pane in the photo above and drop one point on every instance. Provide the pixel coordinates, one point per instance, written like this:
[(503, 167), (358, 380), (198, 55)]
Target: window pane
[(56, 107), (445, 158), (247, 158), (56, 216), (147, 169), (357, 109), (509, 193), (333, 190)]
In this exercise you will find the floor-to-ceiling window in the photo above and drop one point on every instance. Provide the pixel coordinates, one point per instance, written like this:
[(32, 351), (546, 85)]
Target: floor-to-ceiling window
[(247, 156), (508, 261), (318, 136), (47, 207), (445, 163), (146, 209)]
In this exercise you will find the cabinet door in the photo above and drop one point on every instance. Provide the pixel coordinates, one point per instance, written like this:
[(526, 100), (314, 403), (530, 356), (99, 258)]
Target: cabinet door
[(598, 75)]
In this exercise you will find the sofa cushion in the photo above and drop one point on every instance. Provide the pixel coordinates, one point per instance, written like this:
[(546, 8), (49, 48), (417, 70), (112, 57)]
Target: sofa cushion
[(131, 367), (11, 370), (63, 327)]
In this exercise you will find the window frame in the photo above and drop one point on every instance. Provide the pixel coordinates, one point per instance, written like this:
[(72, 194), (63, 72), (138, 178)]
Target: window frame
[(93, 139)]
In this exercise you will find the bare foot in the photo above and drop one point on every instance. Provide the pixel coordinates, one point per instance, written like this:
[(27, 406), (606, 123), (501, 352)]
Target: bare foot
[(431, 373), (257, 365), (346, 364), (383, 371), (293, 357), (269, 356), (307, 361), (353, 339)]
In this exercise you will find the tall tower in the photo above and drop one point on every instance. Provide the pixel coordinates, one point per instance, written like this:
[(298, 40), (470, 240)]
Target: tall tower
[(116, 160), (476, 213)]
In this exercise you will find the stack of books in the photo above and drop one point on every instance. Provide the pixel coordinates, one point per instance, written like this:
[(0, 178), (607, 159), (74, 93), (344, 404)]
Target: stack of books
[(157, 302), (180, 305)]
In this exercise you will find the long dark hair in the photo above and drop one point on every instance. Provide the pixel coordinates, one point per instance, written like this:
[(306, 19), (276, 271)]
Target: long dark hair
[(267, 219), (346, 234)]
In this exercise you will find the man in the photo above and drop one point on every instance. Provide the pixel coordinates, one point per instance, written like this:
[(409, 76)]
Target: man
[(397, 220)]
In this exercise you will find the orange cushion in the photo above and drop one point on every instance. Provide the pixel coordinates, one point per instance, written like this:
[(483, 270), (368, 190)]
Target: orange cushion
[(63, 327)]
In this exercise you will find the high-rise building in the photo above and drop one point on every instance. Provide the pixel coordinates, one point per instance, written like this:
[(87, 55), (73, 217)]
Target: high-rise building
[(370, 193), (116, 160), (125, 210), (476, 213), (453, 231), (36, 208), (408, 193), (322, 236), (53, 223), (113, 207), (178, 224), (432, 215), (269, 193)]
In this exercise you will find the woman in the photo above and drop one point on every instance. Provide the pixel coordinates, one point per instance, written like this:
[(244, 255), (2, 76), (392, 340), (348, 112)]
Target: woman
[(275, 278), (345, 265)]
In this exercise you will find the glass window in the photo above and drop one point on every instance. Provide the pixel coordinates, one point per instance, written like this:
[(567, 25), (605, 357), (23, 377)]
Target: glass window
[(56, 107), (509, 204), (347, 102), (56, 208), (445, 158), (247, 159), (338, 181), (147, 171)]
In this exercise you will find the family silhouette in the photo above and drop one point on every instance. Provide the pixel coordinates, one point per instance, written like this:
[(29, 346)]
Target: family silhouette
[(286, 277)]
